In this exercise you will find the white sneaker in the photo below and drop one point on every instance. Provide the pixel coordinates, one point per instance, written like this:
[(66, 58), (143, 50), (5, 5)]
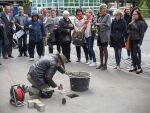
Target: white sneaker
[(128, 58), (93, 64), (89, 62), (39, 57), (118, 68), (31, 59)]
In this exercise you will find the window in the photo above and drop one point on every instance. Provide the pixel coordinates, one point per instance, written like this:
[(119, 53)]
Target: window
[(49, 1), (39, 5)]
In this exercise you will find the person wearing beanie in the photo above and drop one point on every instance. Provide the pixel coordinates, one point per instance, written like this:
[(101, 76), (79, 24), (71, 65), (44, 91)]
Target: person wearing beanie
[(36, 34)]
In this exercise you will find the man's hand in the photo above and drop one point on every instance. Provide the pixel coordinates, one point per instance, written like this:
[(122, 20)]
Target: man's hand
[(2, 25), (70, 25), (22, 27), (139, 45), (97, 24)]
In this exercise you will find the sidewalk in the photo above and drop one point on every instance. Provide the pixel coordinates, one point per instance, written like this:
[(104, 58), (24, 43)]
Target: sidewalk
[(109, 92)]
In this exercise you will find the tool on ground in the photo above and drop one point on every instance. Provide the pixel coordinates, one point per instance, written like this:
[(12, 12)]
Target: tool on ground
[(17, 93)]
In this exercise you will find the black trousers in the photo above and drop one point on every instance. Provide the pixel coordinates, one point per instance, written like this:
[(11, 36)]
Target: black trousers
[(50, 47), (66, 49), (7, 50), (78, 50), (22, 44), (136, 54), (39, 48)]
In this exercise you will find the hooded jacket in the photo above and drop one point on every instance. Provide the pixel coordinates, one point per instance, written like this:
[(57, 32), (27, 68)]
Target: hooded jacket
[(36, 29)]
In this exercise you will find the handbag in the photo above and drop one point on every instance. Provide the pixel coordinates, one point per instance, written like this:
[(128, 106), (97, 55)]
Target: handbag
[(127, 44), (52, 39), (78, 38)]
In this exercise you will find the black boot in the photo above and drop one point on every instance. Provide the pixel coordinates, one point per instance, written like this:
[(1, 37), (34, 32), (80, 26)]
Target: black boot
[(25, 54), (99, 67), (78, 60), (139, 71), (133, 70)]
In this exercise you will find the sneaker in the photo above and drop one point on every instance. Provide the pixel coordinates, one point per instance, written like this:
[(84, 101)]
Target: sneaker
[(118, 68), (89, 62), (139, 71), (92, 64), (115, 67), (39, 57), (31, 59)]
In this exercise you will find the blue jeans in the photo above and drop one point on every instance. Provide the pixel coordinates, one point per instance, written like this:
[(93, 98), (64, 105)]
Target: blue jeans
[(90, 43), (118, 55)]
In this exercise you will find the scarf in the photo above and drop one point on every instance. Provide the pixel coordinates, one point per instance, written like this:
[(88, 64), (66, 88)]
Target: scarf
[(79, 17), (102, 14), (88, 19)]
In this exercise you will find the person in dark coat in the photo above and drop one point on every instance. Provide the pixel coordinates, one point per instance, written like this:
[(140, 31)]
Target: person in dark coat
[(117, 39), (136, 30), (36, 34), (8, 20), (3, 36), (41, 73), (65, 27), (127, 18), (20, 21), (136, 8)]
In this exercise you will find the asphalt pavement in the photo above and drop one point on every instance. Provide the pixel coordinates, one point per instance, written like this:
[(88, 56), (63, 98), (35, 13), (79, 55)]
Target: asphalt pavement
[(109, 91)]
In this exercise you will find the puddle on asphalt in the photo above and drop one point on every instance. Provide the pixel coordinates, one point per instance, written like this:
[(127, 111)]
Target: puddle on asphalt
[(73, 95)]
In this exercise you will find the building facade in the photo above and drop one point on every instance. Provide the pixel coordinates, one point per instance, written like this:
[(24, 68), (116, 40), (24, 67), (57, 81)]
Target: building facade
[(61, 5)]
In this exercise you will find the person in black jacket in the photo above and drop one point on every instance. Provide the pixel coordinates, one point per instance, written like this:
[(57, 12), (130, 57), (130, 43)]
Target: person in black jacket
[(136, 30), (8, 20), (41, 73), (65, 26), (3, 36), (136, 8), (117, 40)]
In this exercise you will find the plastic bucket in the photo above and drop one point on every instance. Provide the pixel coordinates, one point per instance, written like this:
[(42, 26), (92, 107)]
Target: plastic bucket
[(79, 81)]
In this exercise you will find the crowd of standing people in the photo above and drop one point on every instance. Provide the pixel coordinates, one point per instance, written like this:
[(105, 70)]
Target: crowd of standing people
[(125, 30)]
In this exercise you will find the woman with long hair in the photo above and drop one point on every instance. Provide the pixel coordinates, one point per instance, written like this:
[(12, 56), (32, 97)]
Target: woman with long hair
[(89, 37), (127, 18), (136, 30)]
